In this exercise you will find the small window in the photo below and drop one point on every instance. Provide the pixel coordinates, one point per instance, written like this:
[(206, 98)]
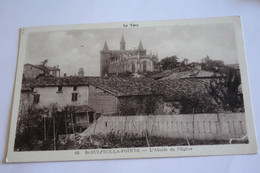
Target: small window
[(75, 88), (59, 88), (36, 98), (74, 97)]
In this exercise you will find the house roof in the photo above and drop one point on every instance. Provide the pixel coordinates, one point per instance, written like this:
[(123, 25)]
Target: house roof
[(181, 88), (120, 87), (168, 72), (184, 73), (114, 85), (50, 81), (193, 73)]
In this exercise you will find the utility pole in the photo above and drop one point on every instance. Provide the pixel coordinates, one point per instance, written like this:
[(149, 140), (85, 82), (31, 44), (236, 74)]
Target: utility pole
[(73, 128), (44, 127), (54, 136), (193, 125), (65, 117)]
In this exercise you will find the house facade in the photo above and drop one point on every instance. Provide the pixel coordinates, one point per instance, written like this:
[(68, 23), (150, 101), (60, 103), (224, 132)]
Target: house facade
[(62, 94), (68, 96), (32, 71)]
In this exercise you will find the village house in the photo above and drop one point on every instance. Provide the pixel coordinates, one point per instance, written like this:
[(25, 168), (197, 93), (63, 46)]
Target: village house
[(32, 71), (43, 91), (104, 96)]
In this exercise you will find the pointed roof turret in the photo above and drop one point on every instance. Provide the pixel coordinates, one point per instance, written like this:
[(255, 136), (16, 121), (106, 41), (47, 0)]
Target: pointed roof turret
[(105, 46), (140, 47), (122, 40)]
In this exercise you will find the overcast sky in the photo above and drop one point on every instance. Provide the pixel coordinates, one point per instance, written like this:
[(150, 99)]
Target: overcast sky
[(81, 48)]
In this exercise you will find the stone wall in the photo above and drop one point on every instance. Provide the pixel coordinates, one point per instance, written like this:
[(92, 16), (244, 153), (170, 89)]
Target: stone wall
[(198, 126)]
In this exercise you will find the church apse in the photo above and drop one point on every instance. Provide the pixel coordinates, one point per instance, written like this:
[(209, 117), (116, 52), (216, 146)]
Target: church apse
[(123, 60)]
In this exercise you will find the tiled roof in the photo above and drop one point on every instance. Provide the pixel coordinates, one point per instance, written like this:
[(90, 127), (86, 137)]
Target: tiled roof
[(170, 89), (169, 72), (121, 86), (190, 74), (182, 73), (114, 85), (49, 81), (181, 88)]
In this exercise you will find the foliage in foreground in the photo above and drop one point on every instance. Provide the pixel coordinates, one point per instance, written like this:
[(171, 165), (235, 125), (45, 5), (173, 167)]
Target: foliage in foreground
[(126, 140)]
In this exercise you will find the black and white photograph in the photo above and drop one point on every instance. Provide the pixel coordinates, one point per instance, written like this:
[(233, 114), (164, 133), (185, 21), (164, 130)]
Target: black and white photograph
[(132, 87)]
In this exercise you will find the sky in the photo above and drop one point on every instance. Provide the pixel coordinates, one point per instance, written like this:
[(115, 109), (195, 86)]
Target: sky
[(74, 49)]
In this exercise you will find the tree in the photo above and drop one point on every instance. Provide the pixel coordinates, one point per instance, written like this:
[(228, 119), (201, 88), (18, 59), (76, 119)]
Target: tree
[(169, 63), (212, 65), (31, 128), (44, 62), (226, 91)]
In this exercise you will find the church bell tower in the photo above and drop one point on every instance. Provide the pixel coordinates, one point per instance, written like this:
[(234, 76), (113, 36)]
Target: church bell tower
[(122, 43), (104, 60)]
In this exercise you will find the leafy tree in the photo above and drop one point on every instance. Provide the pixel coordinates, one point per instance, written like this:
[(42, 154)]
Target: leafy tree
[(44, 62), (212, 65), (169, 63), (227, 91), (30, 128)]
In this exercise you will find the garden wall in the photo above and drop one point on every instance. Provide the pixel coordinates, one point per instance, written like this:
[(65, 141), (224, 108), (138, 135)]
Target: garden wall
[(197, 126)]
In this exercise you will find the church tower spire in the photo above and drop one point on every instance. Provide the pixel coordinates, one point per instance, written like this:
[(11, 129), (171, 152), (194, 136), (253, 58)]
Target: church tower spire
[(105, 46), (140, 47), (122, 43)]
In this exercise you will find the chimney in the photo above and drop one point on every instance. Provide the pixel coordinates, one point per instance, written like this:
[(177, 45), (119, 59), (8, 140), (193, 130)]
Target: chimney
[(65, 75), (57, 66)]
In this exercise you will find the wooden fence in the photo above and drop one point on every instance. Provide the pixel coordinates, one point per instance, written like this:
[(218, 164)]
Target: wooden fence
[(197, 126)]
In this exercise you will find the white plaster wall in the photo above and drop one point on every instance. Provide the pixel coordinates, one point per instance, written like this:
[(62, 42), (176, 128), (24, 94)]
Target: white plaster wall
[(51, 95)]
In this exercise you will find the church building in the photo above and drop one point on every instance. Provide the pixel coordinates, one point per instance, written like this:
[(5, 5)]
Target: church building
[(122, 60)]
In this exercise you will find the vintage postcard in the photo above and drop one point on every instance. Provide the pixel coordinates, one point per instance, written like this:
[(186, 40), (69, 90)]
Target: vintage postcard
[(131, 90)]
